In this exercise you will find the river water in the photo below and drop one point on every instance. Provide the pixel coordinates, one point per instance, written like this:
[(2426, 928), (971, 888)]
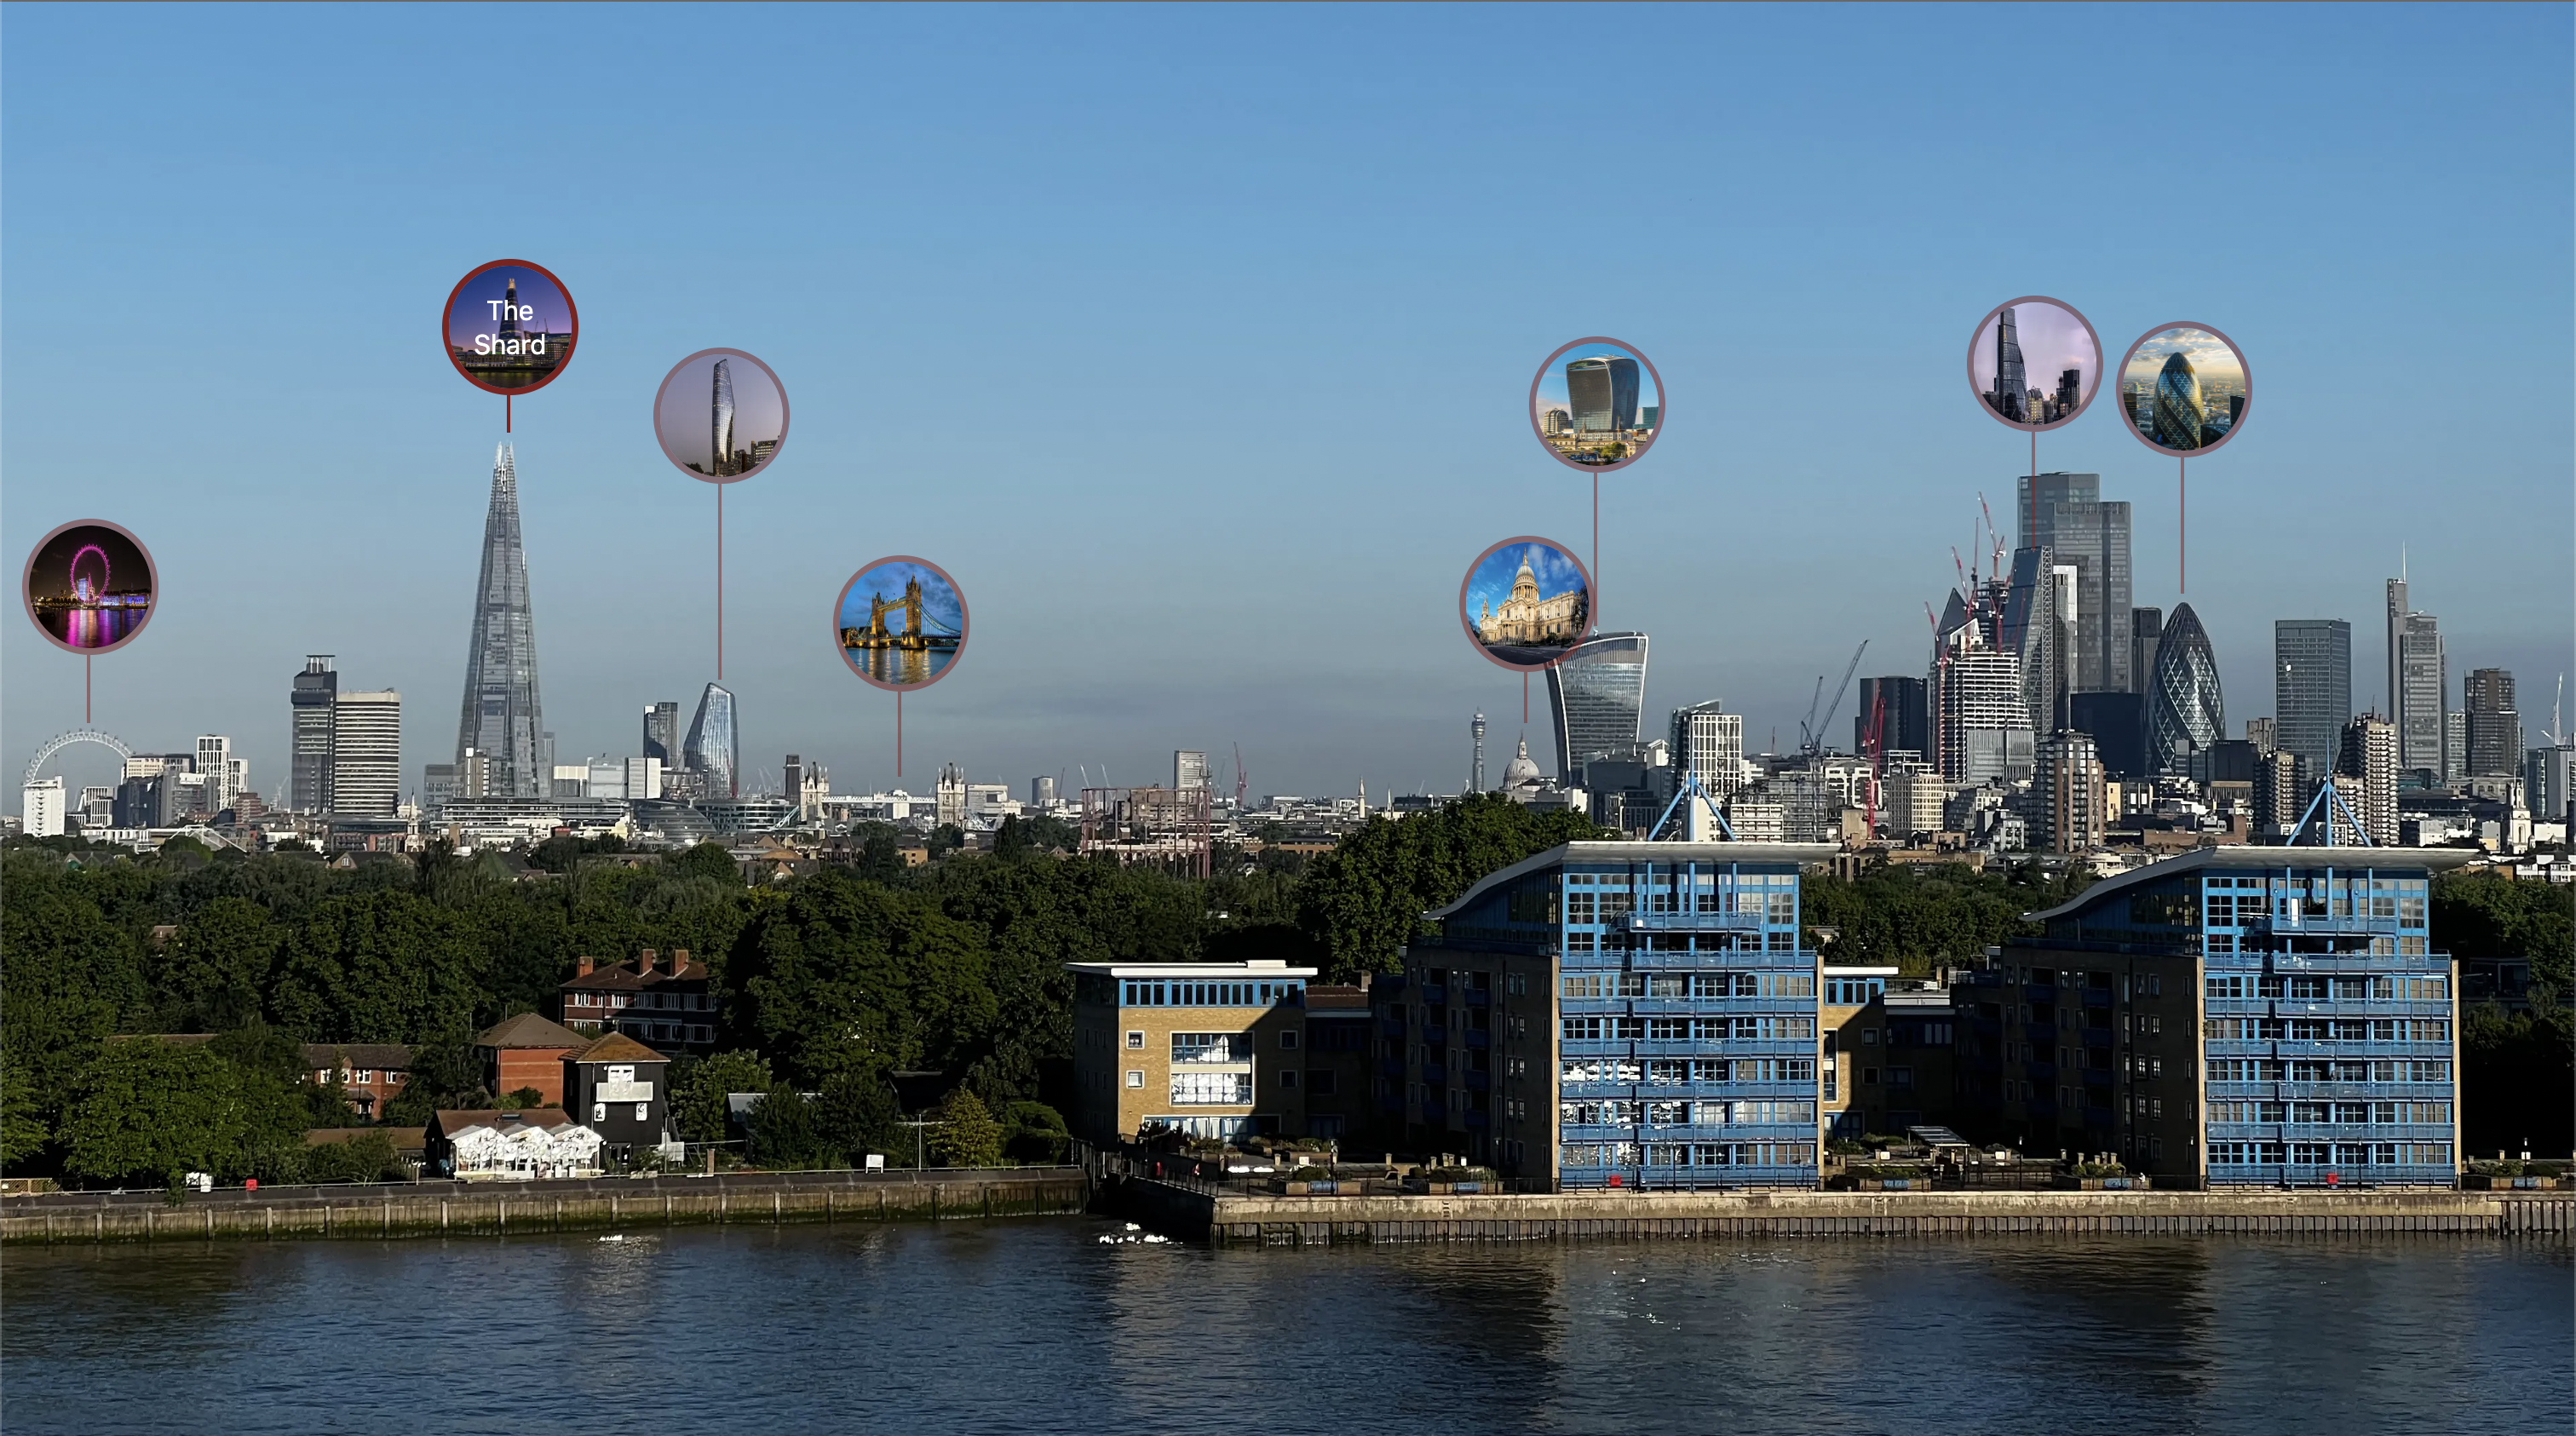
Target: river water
[(1035, 1326)]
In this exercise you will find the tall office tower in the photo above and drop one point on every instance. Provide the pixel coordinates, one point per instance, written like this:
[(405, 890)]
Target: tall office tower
[(2423, 680), (793, 776), (1476, 765), (1603, 392), (2178, 417), (1189, 768), (662, 733), (2066, 790), (2549, 782), (2146, 627), (1910, 797), (2281, 786), (2066, 515), (2368, 754), (1898, 706), (2042, 607), (308, 775), (2455, 746), (2264, 734), (2396, 615), (366, 754), (2311, 687), (2011, 384), (720, 419), (2186, 711), (1650, 417), (1984, 729), (1041, 792), (714, 746), (1597, 694), (2070, 391), (500, 715), (214, 759), (2495, 728), (1708, 744)]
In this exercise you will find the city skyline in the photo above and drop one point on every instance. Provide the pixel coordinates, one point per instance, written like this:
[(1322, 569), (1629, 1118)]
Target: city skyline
[(361, 539)]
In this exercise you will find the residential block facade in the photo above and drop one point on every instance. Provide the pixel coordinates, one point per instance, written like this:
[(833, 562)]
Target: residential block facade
[(1213, 1049)]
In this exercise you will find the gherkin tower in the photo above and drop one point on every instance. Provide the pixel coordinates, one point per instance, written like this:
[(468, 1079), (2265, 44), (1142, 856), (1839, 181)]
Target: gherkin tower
[(501, 717)]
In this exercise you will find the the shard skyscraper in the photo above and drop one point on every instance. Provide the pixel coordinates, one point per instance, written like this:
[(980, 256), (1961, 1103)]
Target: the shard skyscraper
[(501, 718)]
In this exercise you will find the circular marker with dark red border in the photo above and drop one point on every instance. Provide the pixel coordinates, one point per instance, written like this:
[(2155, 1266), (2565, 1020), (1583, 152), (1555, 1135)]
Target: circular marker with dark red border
[(720, 415), (1492, 596), (1646, 420), (2061, 334), (2180, 340), (519, 347), (882, 637), (96, 581)]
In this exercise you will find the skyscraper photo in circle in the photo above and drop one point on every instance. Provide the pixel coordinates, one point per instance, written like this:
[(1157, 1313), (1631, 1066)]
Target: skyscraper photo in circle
[(90, 587), (721, 415), (510, 327), (2034, 363), (901, 622), (1597, 404), (2183, 388), (1526, 603)]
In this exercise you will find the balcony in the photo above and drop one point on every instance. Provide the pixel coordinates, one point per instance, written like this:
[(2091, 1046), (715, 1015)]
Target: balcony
[(1479, 1081), (1390, 1067), (1479, 996), (1693, 922), (1435, 995), (1390, 1027), (1476, 1039), (1434, 1075), (1476, 1119), (2097, 997), (1434, 1035)]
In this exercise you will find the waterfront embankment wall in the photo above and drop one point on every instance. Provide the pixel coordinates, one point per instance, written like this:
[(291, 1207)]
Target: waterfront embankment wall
[(1228, 1220), (493, 1208)]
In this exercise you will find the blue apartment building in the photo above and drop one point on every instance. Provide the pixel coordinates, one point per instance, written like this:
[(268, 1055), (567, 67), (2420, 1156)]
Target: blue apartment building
[(2237, 1015), (1614, 1014)]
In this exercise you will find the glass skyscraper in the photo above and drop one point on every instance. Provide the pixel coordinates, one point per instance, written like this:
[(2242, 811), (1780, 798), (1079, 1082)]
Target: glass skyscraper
[(2186, 712), (2065, 514), (662, 733), (1603, 391), (2311, 687), (714, 747), (500, 716), (2178, 419), (314, 699), (720, 419), (1597, 695), (2011, 383)]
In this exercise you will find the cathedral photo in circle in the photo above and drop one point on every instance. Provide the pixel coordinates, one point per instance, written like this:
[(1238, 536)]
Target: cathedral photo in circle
[(720, 415), (2183, 388), (510, 327), (901, 623), (1597, 404), (2034, 363), (1526, 603)]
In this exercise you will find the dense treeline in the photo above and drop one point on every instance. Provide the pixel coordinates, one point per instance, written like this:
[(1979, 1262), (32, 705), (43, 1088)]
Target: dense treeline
[(1916, 919), (827, 983), (2517, 1068)]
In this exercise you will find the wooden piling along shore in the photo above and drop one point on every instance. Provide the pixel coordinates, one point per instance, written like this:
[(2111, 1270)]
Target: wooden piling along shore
[(1226, 1220), (500, 1208)]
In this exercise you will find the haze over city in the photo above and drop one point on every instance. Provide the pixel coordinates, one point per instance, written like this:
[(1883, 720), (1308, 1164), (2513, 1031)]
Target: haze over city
[(1140, 340)]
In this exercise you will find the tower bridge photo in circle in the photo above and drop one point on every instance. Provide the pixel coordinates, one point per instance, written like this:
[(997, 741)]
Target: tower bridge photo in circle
[(720, 415), (1526, 603), (90, 587), (2034, 363), (900, 622), (2184, 389), (1597, 404), (510, 327)]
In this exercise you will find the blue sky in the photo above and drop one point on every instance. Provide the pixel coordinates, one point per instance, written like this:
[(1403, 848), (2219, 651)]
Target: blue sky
[(1088, 306)]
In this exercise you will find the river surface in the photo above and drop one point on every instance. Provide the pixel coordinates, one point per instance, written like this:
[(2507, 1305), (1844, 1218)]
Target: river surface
[(1035, 1326)]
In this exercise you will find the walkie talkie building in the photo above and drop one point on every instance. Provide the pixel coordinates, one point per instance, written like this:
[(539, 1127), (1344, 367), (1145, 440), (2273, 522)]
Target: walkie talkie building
[(1603, 391)]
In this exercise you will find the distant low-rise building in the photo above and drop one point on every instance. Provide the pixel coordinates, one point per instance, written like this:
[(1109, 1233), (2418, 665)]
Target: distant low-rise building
[(668, 1003), (619, 1088), (521, 1146), (1211, 1049), (525, 1052), (371, 1073)]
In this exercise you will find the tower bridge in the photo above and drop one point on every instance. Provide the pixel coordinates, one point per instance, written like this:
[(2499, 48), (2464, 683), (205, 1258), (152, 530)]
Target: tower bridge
[(920, 630)]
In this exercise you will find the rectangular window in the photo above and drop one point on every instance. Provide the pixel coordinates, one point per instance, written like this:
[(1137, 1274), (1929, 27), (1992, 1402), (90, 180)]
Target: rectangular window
[(1668, 1029), (1582, 1029), (1288, 1040), (1209, 1047), (1288, 1078), (1211, 1089)]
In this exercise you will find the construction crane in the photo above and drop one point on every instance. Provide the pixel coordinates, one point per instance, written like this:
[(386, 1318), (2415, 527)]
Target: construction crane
[(1240, 780), (1815, 732)]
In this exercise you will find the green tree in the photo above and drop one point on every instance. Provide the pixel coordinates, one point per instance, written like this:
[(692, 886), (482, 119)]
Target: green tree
[(783, 1132), (706, 860), (967, 1135), (856, 1114), (840, 971), (148, 1112), (388, 966), (699, 1086), (68, 977), (213, 973), (945, 839), (444, 1076), (1035, 1132), (366, 1158)]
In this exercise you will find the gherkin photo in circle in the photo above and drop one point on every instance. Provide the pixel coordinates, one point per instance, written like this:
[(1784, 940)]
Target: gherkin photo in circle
[(2183, 389)]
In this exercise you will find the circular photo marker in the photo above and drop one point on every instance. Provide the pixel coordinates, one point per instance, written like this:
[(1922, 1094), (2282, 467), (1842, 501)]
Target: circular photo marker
[(509, 327), (900, 622), (721, 415), (1597, 404), (2034, 363), (2184, 388), (90, 587), (1526, 603)]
